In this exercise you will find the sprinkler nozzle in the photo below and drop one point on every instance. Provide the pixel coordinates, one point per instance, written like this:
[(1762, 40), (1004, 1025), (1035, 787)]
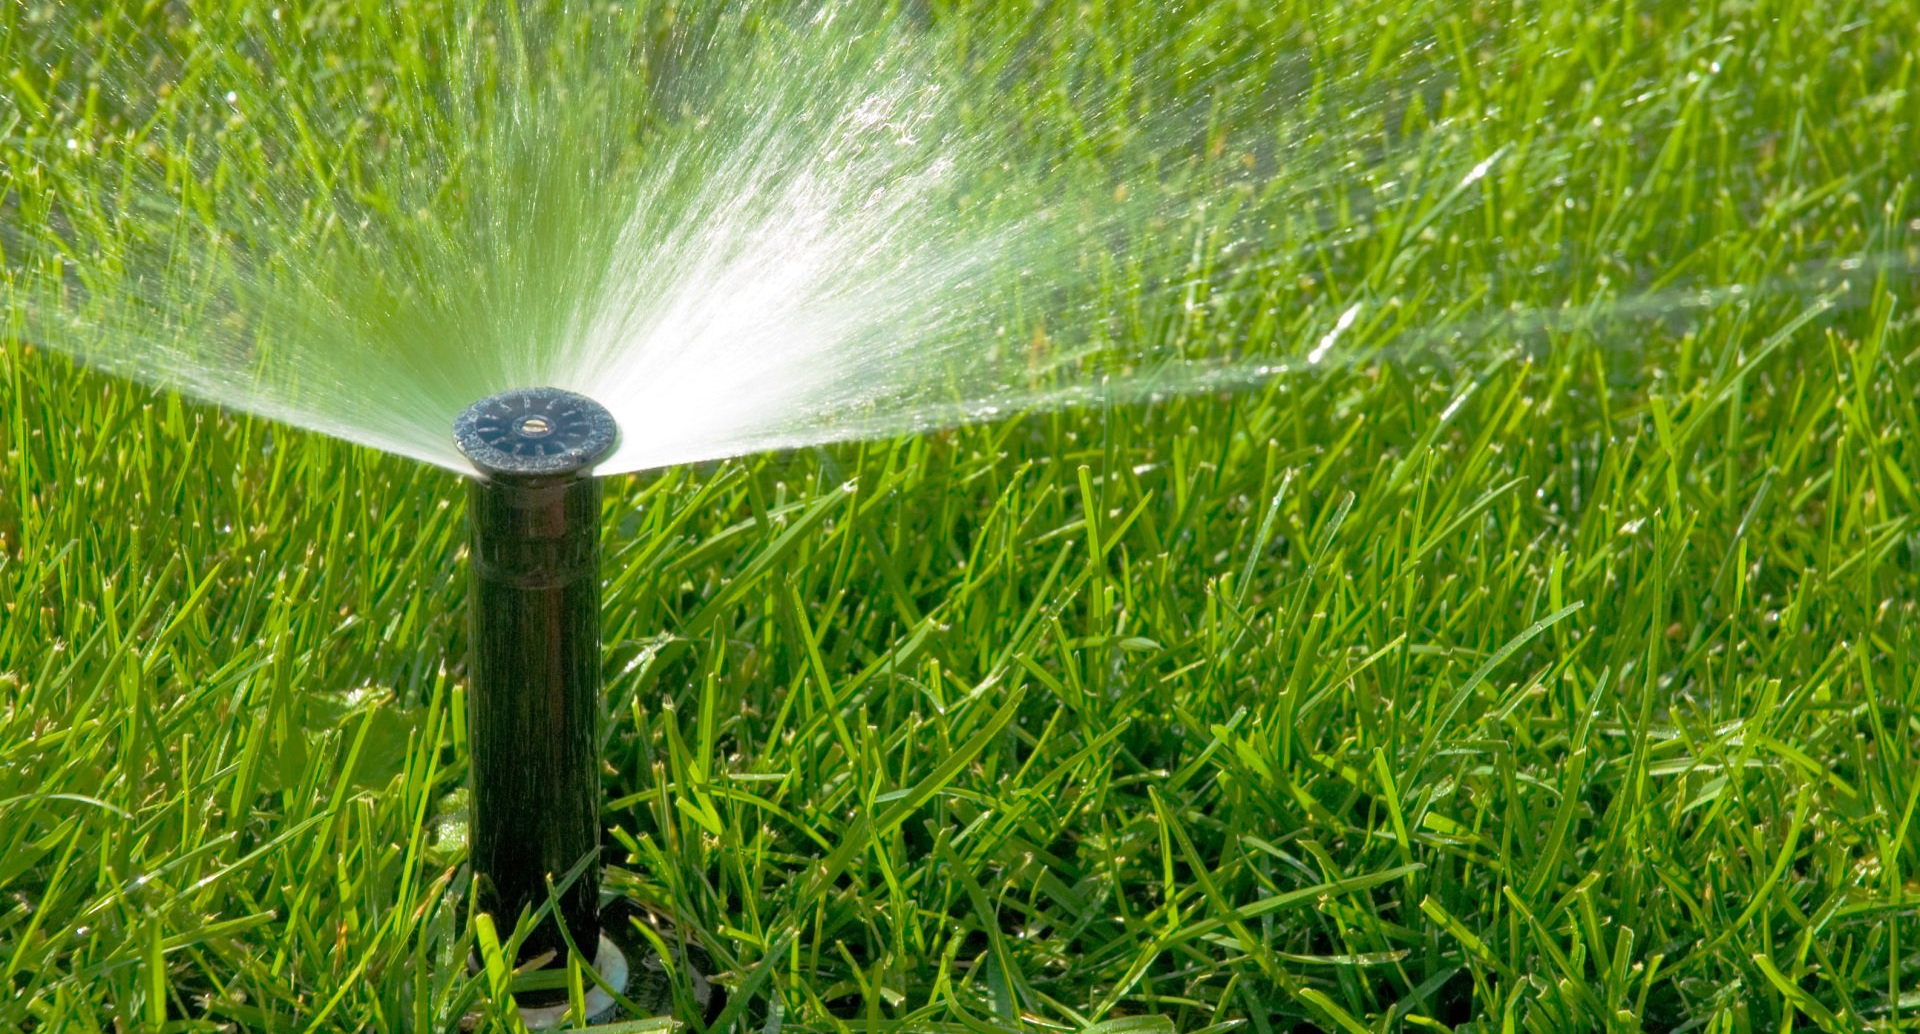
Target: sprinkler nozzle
[(535, 433)]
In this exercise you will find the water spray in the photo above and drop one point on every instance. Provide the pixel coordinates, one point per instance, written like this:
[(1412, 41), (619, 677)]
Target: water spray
[(534, 698)]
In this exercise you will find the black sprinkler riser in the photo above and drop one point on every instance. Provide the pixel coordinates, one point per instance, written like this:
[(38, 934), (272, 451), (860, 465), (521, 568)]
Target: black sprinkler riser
[(534, 700)]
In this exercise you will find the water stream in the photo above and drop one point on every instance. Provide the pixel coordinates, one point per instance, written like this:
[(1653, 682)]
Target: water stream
[(774, 225)]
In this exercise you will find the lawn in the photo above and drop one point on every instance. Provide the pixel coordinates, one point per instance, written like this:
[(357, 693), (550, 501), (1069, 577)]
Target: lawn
[(1547, 660)]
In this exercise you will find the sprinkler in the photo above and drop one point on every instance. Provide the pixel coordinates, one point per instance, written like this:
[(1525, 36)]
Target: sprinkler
[(534, 697)]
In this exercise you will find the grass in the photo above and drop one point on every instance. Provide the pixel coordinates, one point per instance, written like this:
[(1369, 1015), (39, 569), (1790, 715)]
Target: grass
[(1563, 683)]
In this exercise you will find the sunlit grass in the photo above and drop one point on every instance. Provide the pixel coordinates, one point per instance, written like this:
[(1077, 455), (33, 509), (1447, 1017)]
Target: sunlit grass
[(1560, 682)]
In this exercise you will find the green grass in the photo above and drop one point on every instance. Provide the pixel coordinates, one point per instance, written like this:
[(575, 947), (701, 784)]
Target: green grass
[(1564, 683)]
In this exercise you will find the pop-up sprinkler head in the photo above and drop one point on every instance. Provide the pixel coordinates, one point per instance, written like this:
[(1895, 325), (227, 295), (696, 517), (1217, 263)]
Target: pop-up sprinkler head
[(534, 696)]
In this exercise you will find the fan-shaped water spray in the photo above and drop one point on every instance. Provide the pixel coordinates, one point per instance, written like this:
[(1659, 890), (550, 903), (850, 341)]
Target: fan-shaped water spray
[(774, 225), (762, 227)]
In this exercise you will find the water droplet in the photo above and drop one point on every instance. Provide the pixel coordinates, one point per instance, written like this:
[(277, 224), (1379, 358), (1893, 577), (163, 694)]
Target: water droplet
[(1340, 326)]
